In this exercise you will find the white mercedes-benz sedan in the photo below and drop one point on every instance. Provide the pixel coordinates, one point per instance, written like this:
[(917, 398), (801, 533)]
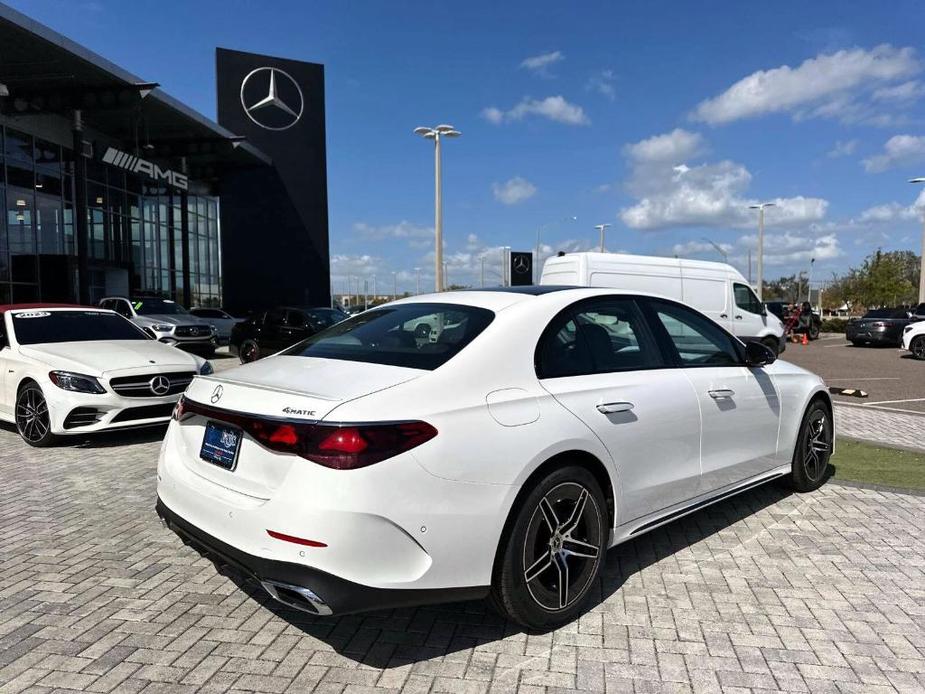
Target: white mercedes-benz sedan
[(69, 370), (501, 453)]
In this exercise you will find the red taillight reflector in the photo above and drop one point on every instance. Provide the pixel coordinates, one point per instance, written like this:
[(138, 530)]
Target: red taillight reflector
[(341, 447), (295, 540), (346, 440)]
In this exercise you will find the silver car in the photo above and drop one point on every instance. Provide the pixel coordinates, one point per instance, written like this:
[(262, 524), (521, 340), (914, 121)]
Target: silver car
[(166, 320), (219, 319)]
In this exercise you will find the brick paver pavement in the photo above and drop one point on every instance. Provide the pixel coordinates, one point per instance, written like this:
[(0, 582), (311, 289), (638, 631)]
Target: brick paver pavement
[(877, 425), (770, 591)]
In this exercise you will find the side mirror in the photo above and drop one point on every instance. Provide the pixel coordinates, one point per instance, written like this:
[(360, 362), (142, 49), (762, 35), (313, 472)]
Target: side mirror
[(757, 354), (149, 333)]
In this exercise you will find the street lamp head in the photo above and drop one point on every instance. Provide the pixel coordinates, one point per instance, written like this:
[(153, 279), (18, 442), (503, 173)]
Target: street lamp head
[(919, 179), (450, 133), (762, 205), (424, 132), (444, 128)]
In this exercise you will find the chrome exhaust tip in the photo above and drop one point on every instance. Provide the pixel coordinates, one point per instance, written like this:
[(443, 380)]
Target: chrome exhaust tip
[(296, 597)]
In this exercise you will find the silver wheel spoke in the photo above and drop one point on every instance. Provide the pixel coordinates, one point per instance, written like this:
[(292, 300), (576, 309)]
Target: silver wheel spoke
[(562, 568), (538, 567), (579, 548), (576, 512), (549, 514)]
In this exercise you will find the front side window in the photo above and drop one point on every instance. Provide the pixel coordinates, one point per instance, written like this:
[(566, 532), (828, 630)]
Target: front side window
[(43, 327), (746, 299), (697, 340), (602, 336), (416, 336)]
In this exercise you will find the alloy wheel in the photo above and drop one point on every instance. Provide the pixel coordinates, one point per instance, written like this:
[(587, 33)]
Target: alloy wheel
[(249, 351), (563, 546), (818, 446), (32, 415), (918, 348)]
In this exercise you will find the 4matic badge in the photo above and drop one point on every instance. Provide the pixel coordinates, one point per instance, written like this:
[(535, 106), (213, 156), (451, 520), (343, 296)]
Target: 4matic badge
[(303, 413)]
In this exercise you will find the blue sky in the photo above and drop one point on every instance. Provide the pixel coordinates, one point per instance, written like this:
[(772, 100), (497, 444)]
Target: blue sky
[(664, 119)]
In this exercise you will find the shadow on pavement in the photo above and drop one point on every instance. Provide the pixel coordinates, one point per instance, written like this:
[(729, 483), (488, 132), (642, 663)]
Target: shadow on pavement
[(398, 637)]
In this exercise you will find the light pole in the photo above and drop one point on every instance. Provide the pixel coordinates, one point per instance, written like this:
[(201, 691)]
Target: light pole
[(809, 280), (505, 266), (601, 228), (482, 273), (760, 207), (394, 286), (718, 249), (436, 134), (417, 270), (921, 179)]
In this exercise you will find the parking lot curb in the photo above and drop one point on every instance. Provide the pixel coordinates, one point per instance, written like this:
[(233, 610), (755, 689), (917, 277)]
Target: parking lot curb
[(878, 487)]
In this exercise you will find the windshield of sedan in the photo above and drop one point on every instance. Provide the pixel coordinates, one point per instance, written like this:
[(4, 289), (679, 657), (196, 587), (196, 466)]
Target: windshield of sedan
[(416, 336), (43, 327), (157, 307)]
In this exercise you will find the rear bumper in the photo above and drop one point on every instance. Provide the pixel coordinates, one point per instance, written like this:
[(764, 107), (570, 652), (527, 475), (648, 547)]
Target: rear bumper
[(306, 588), (875, 338)]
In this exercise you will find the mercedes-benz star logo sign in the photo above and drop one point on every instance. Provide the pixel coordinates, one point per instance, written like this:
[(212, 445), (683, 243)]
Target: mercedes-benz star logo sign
[(272, 98), (521, 264), (216, 395), (159, 385)]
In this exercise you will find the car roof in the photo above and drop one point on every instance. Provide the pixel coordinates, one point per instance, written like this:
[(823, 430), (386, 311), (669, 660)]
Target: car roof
[(26, 307), (498, 300)]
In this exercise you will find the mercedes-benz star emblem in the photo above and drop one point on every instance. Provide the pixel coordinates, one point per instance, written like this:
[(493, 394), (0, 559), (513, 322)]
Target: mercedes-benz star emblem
[(272, 98), (216, 395), (159, 385), (521, 264)]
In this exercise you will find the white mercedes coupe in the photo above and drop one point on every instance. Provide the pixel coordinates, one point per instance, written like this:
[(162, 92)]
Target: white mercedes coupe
[(67, 370), (500, 454)]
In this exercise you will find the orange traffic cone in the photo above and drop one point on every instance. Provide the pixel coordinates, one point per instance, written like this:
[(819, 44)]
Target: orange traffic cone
[(805, 340)]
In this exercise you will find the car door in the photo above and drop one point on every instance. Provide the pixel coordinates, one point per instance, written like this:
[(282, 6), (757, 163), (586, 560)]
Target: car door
[(600, 361), (274, 333), (739, 405), (750, 319), (298, 327), (6, 352)]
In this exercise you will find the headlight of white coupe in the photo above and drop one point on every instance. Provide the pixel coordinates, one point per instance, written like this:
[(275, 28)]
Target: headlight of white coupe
[(78, 383)]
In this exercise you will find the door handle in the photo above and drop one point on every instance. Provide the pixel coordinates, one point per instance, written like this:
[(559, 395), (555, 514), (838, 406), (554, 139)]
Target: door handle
[(721, 393), (738, 317), (613, 407), (724, 315)]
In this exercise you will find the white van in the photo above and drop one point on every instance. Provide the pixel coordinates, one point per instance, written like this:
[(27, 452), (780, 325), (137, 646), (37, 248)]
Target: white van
[(716, 289)]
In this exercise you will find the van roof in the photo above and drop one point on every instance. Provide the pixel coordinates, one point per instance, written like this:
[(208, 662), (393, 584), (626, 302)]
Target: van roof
[(682, 263)]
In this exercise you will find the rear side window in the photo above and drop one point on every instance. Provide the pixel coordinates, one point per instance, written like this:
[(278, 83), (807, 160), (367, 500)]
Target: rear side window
[(602, 336), (416, 336)]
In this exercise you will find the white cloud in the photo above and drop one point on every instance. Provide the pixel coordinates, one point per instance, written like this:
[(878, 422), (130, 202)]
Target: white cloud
[(907, 91), (823, 86), (894, 212), (603, 83), (843, 148), (513, 191), (781, 249), (672, 193), (540, 64), (670, 148), (899, 150), (417, 236), (555, 108)]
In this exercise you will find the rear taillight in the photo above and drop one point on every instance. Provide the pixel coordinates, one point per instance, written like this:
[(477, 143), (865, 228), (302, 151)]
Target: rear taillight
[(341, 447)]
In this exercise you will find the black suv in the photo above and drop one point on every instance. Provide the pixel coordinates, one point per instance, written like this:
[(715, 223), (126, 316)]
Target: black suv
[(271, 331)]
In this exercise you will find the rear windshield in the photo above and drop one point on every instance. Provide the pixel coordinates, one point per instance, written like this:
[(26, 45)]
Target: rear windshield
[(417, 336), (42, 327), (886, 313)]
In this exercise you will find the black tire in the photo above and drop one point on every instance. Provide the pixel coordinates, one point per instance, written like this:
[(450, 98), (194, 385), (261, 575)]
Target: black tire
[(813, 449), (544, 538), (857, 343), (249, 351), (917, 347), (422, 331), (813, 332), (772, 344), (32, 421)]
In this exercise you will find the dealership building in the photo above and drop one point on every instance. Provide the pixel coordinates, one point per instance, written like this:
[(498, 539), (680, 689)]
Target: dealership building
[(112, 187)]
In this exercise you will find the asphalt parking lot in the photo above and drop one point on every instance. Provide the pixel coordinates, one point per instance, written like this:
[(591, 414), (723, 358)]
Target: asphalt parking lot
[(769, 591), (893, 380)]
